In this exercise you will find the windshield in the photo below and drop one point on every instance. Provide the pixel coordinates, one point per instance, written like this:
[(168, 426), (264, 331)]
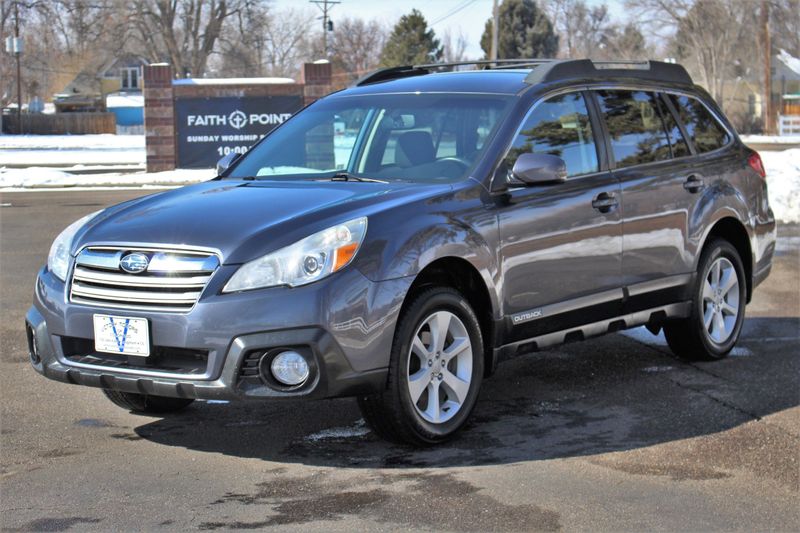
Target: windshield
[(406, 137)]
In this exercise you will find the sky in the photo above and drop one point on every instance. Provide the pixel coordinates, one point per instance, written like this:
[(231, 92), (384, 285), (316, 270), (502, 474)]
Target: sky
[(468, 16)]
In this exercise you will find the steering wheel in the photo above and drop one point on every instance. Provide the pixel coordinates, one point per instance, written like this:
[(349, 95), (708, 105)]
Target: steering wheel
[(463, 164)]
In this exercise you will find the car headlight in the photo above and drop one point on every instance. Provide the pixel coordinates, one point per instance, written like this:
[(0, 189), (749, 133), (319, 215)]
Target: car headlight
[(58, 258), (303, 262)]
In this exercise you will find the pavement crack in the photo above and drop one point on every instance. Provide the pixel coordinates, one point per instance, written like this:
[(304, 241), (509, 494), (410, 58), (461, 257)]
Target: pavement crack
[(720, 401)]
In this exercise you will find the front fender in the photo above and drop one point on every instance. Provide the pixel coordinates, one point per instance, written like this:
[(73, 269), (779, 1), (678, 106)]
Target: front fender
[(419, 241)]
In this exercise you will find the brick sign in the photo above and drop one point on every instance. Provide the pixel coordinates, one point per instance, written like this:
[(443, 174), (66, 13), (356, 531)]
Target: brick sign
[(209, 128), (192, 123)]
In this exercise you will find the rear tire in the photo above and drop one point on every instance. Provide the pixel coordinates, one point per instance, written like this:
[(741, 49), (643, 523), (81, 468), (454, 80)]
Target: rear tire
[(434, 378), (718, 307), (145, 403)]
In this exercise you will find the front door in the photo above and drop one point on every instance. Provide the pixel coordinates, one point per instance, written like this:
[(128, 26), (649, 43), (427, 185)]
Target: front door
[(561, 244)]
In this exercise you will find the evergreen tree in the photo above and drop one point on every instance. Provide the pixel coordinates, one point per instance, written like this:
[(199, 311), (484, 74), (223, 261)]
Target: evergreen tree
[(411, 43), (524, 30)]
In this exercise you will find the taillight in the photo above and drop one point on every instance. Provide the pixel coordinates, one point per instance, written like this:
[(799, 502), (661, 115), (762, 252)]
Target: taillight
[(756, 164)]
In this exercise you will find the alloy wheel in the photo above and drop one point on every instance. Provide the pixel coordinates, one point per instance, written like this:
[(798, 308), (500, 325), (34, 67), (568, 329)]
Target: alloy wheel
[(439, 367), (720, 300)]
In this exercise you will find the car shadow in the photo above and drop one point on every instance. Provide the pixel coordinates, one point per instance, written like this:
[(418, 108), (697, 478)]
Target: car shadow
[(614, 393)]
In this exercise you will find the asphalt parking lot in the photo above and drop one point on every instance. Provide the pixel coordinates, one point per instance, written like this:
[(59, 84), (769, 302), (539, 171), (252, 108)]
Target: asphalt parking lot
[(609, 434)]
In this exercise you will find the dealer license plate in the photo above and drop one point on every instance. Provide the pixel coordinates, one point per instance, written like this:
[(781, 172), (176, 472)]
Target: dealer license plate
[(121, 335)]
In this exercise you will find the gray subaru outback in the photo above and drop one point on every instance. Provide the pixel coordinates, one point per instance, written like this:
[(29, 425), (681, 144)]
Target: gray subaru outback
[(396, 240)]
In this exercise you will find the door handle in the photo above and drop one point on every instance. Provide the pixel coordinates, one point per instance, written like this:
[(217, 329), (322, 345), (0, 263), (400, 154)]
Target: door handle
[(693, 183), (605, 202)]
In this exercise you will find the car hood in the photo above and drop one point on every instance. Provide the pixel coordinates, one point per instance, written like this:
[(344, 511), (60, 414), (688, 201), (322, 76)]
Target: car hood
[(244, 219)]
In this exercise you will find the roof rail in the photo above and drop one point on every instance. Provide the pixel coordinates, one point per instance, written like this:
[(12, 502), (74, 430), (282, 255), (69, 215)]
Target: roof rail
[(586, 68), (548, 70), (407, 71), (487, 63)]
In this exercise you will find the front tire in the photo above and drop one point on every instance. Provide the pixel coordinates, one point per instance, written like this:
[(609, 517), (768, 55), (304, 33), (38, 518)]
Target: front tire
[(718, 307), (435, 371), (145, 403)]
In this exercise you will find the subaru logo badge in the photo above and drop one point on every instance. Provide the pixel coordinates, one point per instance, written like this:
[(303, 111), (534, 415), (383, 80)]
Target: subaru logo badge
[(134, 263)]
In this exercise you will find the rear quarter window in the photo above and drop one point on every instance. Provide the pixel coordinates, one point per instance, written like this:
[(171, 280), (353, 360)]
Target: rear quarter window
[(706, 132)]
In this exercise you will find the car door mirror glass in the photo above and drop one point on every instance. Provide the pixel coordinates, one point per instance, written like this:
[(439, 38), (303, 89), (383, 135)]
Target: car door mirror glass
[(539, 169)]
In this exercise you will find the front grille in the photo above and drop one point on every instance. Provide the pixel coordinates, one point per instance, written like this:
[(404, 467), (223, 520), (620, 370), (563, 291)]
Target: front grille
[(173, 280)]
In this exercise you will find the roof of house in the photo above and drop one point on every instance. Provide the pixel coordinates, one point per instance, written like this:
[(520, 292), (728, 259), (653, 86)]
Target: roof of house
[(789, 61)]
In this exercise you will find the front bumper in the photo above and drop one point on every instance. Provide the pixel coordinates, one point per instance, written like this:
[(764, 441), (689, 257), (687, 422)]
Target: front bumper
[(343, 325)]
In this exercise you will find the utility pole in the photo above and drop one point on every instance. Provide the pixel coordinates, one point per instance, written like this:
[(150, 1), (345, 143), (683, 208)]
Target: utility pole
[(327, 24), (769, 123), (495, 25), (17, 53)]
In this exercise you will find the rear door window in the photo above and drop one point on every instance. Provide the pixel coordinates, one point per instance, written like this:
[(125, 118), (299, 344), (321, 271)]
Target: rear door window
[(635, 126), (559, 126), (701, 126)]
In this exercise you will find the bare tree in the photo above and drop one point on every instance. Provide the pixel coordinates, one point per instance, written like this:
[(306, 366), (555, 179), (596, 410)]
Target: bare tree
[(785, 22), (243, 42), (708, 35), (455, 47), (184, 32), (287, 41), (582, 29), (62, 39), (356, 46)]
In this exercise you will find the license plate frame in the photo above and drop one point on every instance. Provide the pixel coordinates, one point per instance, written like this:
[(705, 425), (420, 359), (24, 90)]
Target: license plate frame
[(122, 335)]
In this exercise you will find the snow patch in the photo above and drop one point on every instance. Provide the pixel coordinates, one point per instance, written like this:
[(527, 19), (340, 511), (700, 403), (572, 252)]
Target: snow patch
[(741, 351), (42, 177), (783, 181), (124, 100), (359, 429), (770, 139), (71, 142), (232, 81), (656, 369)]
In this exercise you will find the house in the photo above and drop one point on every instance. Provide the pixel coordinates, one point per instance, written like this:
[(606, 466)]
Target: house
[(87, 90), (785, 73), (786, 91), (116, 87), (123, 74), (744, 96)]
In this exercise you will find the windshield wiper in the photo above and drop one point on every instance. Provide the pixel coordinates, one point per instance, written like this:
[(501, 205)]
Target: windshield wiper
[(346, 176)]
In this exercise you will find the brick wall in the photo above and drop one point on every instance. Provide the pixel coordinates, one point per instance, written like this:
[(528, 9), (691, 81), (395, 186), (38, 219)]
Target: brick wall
[(159, 118), (160, 94)]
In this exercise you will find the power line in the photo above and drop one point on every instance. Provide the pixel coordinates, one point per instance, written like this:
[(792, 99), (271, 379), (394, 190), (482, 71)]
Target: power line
[(455, 10)]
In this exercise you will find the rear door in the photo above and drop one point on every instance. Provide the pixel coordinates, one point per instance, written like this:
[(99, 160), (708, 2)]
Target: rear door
[(561, 244), (649, 156)]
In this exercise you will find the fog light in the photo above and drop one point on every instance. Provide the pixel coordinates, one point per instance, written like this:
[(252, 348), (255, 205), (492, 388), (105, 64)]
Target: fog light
[(289, 368)]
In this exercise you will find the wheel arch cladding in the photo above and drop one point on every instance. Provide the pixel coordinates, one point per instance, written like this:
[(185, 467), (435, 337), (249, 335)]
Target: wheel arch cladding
[(733, 231), (461, 275)]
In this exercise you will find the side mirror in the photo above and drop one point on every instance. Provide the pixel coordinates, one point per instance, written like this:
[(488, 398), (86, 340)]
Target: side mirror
[(539, 169), (226, 162)]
